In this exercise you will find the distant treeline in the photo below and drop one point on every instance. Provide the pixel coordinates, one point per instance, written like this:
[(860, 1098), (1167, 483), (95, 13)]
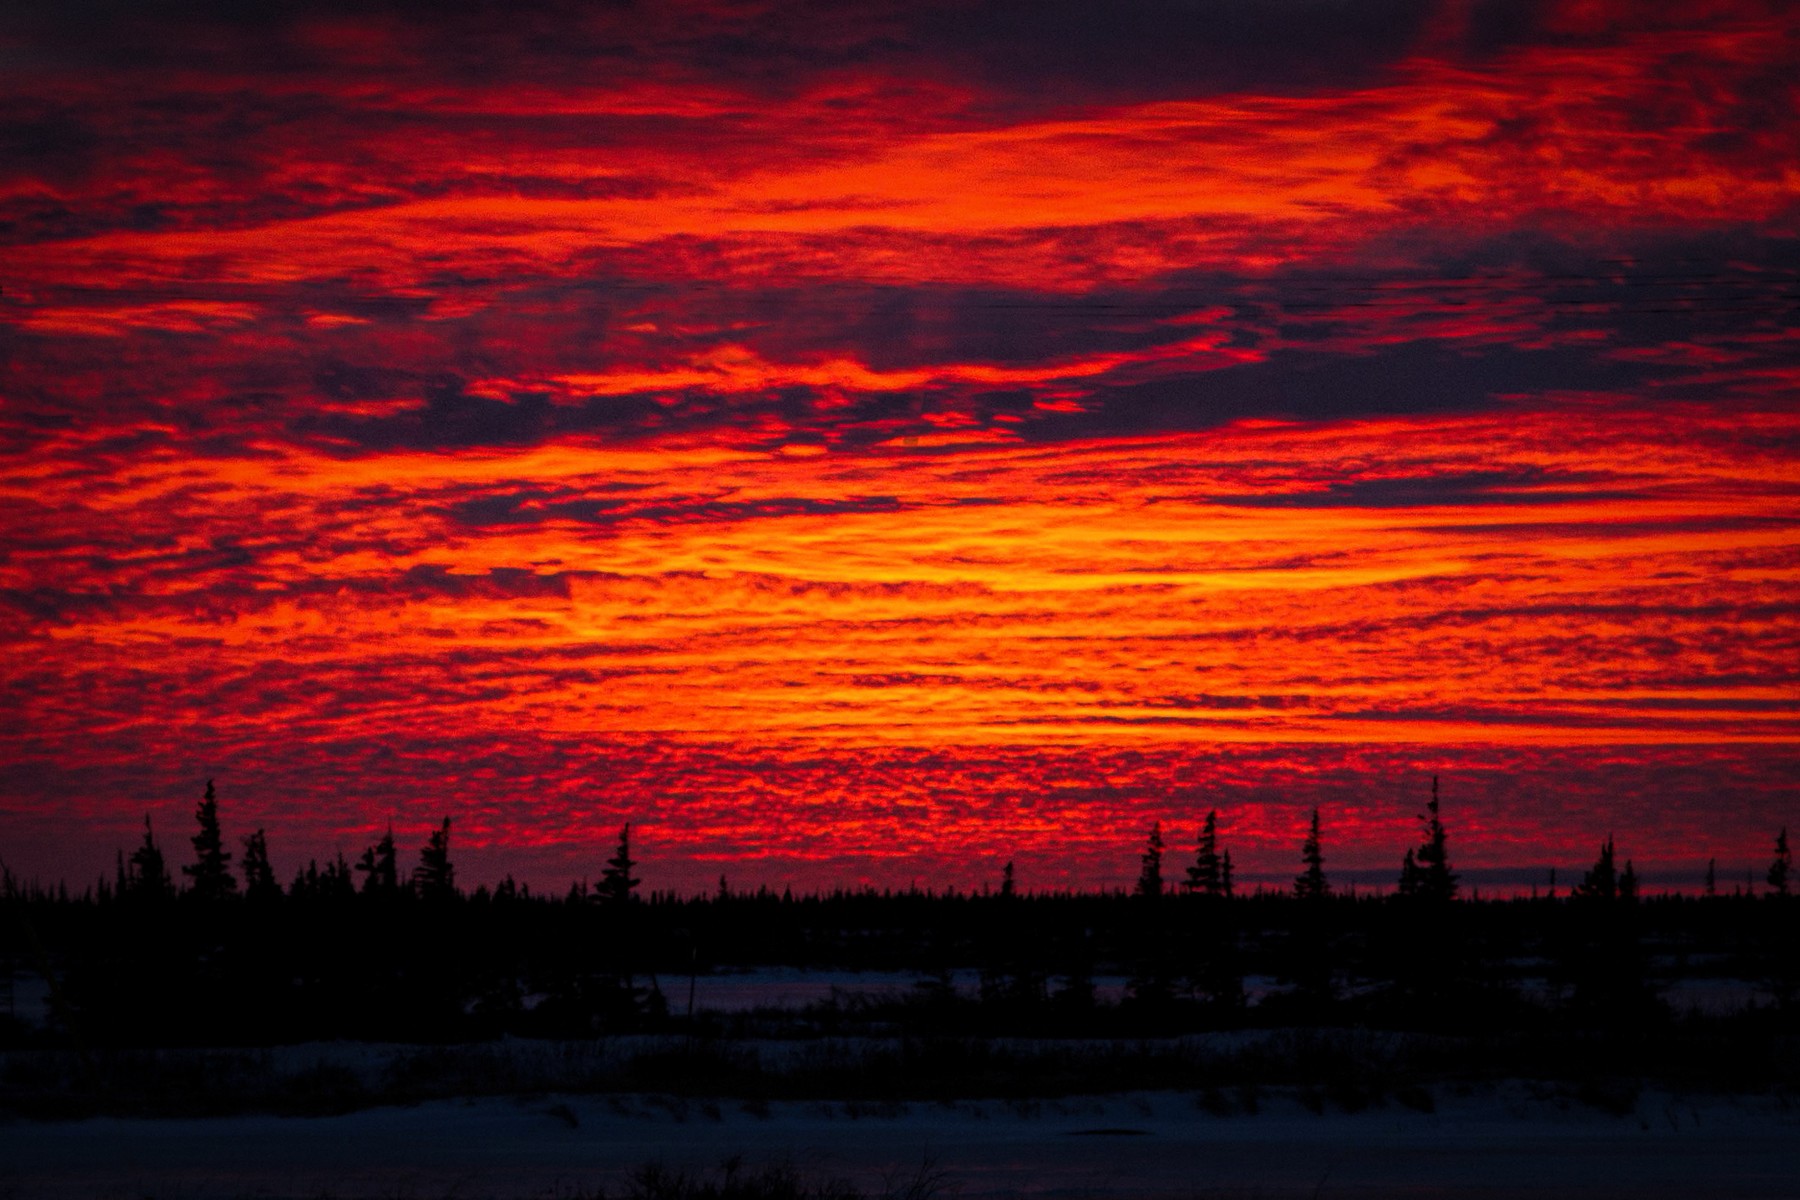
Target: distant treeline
[(359, 951), (1425, 871)]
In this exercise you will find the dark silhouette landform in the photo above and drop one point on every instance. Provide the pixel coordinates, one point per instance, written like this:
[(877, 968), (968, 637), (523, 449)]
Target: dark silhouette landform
[(940, 986), (210, 992)]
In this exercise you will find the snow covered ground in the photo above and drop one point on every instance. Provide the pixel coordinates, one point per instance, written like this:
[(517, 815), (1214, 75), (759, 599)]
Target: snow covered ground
[(1511, 1140), (791, 987)]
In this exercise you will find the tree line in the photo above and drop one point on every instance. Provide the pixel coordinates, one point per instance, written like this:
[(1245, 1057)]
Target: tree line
[(382, 948), (1425, 875), (145, 874)]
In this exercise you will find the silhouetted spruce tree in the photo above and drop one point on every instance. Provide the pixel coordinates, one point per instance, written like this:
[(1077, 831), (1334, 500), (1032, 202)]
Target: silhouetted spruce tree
[(617, 884), (1781, 955), (1311, 883), (1602, 880), (381, 874), (1608, 967), (336, 880), (1007, 888), (1207, 876), (1428, 957), (306, 881), (1710, 885), (1214, 972), (1149, 882), (627, 1003), (147, 875), (434, 878), (212, 881), (1426, 874), (332, 883), (260, 884), (1151, 986), (1308, 955), (1409, 875)]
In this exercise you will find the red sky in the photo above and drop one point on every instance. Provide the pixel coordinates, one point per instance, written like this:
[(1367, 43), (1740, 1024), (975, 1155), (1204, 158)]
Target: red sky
[(866, 442)]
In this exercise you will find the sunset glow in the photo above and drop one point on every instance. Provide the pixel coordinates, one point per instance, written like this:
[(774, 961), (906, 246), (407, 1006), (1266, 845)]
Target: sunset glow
[(855, 444)]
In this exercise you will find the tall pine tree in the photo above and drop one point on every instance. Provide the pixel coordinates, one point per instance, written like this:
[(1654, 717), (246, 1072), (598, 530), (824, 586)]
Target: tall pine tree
[(146, 874), (381, 873), (1425, 874), (1207, 876), (1150, 882), (1602, 880), (617, 884), (1607, 963), (212, 881), (1311, 883), (434, 878), (1409, 875), (1782, 866), (337, 883), (259, 877)]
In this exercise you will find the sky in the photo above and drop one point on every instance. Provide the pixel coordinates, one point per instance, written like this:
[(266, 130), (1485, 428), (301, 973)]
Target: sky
[(868, 442)]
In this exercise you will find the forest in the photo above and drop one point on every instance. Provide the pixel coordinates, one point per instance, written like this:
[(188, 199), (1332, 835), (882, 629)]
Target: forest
[(1007, 990)]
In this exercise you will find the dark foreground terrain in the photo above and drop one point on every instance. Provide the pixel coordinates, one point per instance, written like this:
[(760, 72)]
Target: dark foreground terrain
[(1491, 1141), (333, 1042)]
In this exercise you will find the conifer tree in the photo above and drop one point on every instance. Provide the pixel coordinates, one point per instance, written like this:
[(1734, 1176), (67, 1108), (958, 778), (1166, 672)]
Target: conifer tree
[(1409, 875), (1425, 874), (1152, 980), (333, 883), (1609, 968), (1007, 888), (1150, 883), (381, 873), (1711, 885), (212, 881), (1225, 875), (1151, 864), (434, 878), (1602, 880), (1311, 883), (1206, 876), (1783, 864), (146, 874), (617, 885), (259, 877), (336, 882)]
